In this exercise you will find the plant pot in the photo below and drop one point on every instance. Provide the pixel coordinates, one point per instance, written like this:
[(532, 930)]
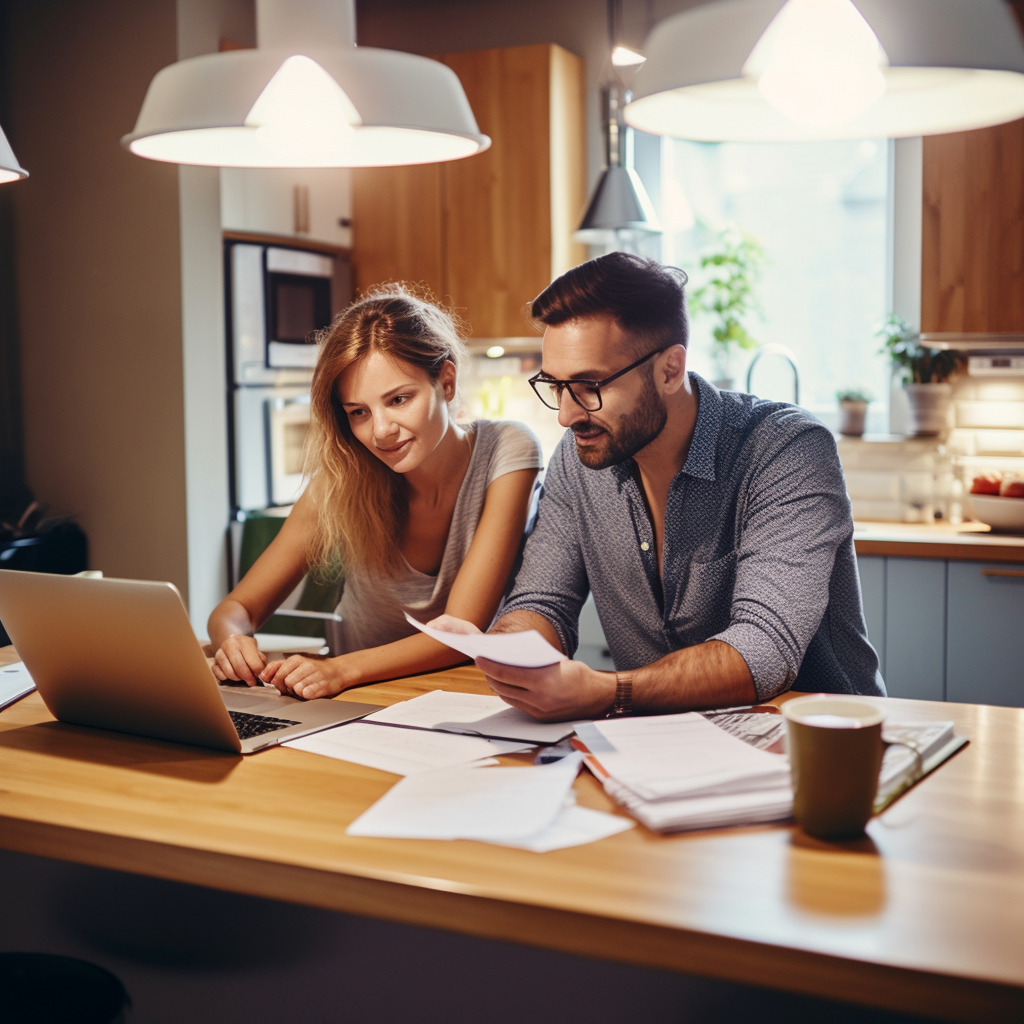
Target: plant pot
[(851, 418), (929, 408), (725, 384)]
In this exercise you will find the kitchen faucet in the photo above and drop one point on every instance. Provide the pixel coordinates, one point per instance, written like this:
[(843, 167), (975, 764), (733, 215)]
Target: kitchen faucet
[(777, 350)]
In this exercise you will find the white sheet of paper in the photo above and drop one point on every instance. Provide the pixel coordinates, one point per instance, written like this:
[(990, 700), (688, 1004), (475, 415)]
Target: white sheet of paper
[(15, 682), (574, 826), (664, 756), (471, 803), (474, 714), (401, 751), (523, 650)]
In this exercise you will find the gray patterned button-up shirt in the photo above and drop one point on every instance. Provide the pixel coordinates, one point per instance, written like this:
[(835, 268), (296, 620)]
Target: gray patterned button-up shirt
[(758, 552)]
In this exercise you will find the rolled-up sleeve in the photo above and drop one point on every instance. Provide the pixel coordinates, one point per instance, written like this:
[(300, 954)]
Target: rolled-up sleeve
[(796, 516), (552, 580)]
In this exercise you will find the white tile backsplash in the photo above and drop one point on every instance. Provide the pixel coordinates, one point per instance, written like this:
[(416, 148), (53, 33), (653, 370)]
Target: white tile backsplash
[(915, 479)]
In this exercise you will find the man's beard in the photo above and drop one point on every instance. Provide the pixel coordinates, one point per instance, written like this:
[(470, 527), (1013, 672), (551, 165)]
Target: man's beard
[(636, 431)]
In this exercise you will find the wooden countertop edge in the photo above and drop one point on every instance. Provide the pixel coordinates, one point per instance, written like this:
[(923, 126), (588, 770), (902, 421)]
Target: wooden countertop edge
[(950, 549), (820, 975)]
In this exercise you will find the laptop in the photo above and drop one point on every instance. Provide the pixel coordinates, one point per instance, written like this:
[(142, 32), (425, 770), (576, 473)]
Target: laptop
[(121, 654)]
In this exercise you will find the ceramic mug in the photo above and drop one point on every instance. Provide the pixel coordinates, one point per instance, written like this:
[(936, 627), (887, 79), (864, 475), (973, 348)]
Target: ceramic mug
[(835, 754)]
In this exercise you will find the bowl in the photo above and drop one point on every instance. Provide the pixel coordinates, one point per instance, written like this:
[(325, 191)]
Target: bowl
[(1006, 514)]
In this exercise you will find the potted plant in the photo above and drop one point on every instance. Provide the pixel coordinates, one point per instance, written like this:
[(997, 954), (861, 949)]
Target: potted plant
[(727, 295), (853, 409), (925, 373)]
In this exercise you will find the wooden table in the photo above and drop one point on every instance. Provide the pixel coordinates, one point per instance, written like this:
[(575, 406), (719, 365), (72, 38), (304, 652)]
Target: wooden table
[(926, 915)]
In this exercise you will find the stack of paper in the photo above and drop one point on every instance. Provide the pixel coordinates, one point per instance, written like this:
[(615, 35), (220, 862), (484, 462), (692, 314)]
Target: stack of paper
[(531, 808), (677, 772)]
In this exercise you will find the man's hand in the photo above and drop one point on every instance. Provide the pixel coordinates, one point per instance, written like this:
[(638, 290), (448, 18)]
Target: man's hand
[(308, 678), (239, 658), (556, 693)]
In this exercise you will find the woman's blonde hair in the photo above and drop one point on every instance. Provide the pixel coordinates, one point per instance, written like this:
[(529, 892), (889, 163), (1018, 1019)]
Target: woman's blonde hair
[(361, 504)]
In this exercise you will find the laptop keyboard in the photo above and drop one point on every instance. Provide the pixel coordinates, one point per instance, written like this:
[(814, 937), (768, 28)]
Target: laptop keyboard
[(248, 726)]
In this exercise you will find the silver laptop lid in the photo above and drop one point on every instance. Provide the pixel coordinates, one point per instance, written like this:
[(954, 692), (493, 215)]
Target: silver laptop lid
[(117, 654)]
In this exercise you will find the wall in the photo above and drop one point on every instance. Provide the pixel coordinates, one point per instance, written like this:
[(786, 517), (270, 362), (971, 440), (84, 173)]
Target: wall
[(96, 243), (201, 25), (14, 496)]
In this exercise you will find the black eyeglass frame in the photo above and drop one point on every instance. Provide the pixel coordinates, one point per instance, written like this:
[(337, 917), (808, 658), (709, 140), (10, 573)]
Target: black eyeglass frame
[(541, 378)]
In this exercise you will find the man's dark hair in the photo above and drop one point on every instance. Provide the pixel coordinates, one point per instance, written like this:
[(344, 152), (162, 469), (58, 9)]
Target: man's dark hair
[(644, 297)]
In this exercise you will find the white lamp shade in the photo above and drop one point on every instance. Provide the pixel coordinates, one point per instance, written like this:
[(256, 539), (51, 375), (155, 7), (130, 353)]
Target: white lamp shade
[(952, 65), (411, 110), (10, 169)]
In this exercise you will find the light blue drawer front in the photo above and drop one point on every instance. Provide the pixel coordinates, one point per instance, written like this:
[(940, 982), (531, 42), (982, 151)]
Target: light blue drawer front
[(872, 587), (985, 634), (915, 612)]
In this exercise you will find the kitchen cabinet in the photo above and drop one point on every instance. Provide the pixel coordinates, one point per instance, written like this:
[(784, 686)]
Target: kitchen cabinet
[(915, 643), (904, 609), (946, 629), (488, 233), (313, 204), (985, 657), (972, 232), (872, 585)]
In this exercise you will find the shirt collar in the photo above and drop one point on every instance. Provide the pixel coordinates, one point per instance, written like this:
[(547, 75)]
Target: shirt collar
[(700, 459)]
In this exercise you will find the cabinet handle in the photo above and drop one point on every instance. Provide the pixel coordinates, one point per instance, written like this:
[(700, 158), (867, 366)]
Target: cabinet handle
[(1016, 573)]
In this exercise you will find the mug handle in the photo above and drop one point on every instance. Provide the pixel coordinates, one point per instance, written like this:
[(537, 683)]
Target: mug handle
[(915, 774)]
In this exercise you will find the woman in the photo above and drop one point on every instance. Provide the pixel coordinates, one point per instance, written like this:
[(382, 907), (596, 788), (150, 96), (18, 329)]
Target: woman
[(423, 515)]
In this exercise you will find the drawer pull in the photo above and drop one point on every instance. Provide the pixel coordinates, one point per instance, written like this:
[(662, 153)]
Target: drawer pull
[(1017, 573)]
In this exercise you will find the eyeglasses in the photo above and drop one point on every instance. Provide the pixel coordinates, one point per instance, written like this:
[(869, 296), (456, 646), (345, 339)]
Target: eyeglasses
[(585, 393)]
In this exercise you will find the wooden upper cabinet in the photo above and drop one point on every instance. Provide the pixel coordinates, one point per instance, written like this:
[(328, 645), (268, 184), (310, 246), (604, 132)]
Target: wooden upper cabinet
[(397, 226), (488, 233), (972, 233)]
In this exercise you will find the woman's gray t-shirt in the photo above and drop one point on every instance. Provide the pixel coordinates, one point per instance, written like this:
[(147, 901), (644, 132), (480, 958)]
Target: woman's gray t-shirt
[(373, 607)]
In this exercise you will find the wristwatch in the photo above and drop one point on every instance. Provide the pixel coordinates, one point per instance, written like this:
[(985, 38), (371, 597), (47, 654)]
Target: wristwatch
[(623, 704)]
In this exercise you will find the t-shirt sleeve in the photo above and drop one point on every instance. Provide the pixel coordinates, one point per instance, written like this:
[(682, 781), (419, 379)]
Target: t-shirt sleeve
[(515, 447)]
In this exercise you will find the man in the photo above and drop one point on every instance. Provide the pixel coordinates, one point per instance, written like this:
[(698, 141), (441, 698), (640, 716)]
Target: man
[(713, 528)]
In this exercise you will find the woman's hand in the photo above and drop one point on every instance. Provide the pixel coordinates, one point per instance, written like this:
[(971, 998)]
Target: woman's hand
[(238, 657), (309, 678)]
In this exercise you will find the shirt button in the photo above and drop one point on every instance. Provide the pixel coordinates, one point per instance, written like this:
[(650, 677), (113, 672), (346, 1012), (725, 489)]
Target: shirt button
[(644, 546)]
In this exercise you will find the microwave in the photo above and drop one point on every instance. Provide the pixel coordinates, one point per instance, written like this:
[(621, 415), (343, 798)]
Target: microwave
[(280, 296)]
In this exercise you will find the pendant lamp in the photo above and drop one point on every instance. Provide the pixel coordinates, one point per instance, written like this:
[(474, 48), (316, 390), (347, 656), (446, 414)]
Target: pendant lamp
[(619, 205), (307, 96), (10, 169), (795, 70)]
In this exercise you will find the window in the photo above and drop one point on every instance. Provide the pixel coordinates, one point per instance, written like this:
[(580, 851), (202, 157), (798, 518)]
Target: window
[(821, 211)]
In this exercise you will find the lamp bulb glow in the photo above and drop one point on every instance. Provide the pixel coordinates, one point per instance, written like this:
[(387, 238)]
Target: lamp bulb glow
[(304, 114), (624, 57), (819, 62)]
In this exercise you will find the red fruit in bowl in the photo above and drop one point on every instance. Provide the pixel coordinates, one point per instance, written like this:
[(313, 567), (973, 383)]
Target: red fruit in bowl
[(987, 483)]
